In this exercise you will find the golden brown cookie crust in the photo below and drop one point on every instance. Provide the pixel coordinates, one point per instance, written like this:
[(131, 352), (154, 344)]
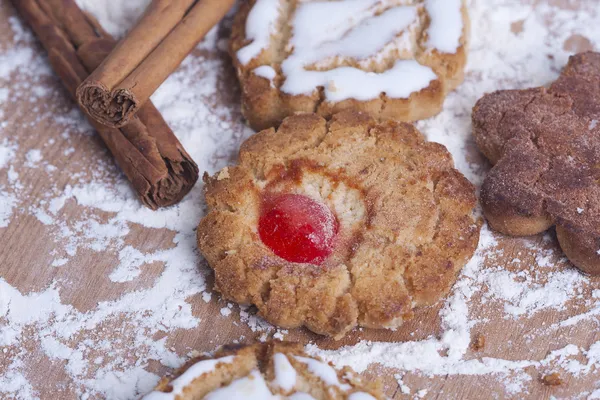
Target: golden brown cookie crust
[(264, 105), (545, 147), (259, 358), (406, 219)]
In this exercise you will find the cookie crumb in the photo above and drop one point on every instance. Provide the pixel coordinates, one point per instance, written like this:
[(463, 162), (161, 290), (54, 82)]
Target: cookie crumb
[(552, 379), (478, 342), (224, 174), (194, 354)]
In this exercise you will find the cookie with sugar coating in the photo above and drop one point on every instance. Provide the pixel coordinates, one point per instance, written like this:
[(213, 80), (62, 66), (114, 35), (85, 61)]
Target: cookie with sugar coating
[(545, 147), (273, 370), (402, 223), (393, 61)]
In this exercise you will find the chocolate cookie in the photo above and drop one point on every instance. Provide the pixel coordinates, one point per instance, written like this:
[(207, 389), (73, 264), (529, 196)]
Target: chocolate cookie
[(267, 371), (336, 224), (545, 147), (394, 61)]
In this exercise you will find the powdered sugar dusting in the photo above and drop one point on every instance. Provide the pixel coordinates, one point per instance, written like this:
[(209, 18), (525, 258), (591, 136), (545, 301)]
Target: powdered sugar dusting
[(107, 292), (500, 58), (105, 345)]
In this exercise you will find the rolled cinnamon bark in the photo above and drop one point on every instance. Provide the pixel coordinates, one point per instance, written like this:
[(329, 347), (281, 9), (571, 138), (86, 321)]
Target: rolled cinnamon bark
[(147, 151), (164, 36)]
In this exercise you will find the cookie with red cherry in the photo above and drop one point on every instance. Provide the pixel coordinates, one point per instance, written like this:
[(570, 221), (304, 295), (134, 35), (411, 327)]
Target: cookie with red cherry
[(336, 224)]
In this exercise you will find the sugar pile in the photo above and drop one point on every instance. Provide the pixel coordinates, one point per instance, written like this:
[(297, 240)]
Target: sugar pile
[(109, 348)]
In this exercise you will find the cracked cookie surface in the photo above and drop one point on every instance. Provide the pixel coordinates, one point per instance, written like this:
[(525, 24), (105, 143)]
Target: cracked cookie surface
[(392, 59), (273, 370), (545, 144), (405, 219)]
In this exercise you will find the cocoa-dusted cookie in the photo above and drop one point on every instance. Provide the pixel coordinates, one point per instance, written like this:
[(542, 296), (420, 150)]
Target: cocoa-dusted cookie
[(266, 371), (336, 224), (545, 147), (393, 60)]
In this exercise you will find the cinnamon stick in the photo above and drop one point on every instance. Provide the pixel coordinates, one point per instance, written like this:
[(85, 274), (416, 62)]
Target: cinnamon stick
[(164, 36), (155, 162)]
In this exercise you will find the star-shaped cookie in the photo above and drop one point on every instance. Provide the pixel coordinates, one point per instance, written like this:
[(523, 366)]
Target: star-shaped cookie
[(545, 147)]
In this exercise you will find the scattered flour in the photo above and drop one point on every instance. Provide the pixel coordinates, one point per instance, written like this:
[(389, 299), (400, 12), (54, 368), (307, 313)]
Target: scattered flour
[(8, 200), (7, 204), (33, 157), (498, 59), (404, 389), (112, 348), (7, 153), (225, 311)]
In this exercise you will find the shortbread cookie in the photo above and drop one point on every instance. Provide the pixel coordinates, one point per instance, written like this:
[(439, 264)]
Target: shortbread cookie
[(336, 224), (545, 144), (271, 371), (392, 59)]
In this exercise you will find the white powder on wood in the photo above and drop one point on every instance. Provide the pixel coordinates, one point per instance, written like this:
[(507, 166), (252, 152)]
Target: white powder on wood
[(106, 351)]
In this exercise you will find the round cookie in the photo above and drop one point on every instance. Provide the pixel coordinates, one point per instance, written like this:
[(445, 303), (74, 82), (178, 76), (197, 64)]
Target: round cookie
[(266, 371), (403, 223), (393, 60)]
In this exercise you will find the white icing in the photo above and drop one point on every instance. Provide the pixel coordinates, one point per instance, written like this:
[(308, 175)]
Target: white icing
[(301, 396), (188, 377), (323, 371), (266, 72), (352, 83), (315, 23), (333, 39), (252, 387), (368, 37), (260, 25), (361, 396), (446, 26), (285, 374), (324, 31)]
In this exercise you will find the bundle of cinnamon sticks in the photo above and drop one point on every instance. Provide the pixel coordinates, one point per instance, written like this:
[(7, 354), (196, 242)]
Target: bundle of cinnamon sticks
[(115, 97), (165, 35)]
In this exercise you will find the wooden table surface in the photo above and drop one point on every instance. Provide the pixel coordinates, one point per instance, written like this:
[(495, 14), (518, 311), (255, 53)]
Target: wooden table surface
[(71, 157)]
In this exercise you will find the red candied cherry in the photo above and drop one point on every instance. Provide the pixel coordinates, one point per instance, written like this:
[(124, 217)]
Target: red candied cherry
[(298, 228)]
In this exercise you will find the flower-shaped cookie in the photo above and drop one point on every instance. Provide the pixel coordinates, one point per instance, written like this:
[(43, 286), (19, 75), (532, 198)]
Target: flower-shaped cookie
[(545, 144), (392, 59), (264, 371), (336, 224)]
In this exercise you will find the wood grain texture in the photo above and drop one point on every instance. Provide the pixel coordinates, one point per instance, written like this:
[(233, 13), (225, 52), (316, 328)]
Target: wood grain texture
[(28, 247)]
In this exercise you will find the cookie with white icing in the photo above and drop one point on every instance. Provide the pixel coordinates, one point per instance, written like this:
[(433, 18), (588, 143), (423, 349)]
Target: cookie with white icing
[(339, 223), (392, 59), (267, 371)]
